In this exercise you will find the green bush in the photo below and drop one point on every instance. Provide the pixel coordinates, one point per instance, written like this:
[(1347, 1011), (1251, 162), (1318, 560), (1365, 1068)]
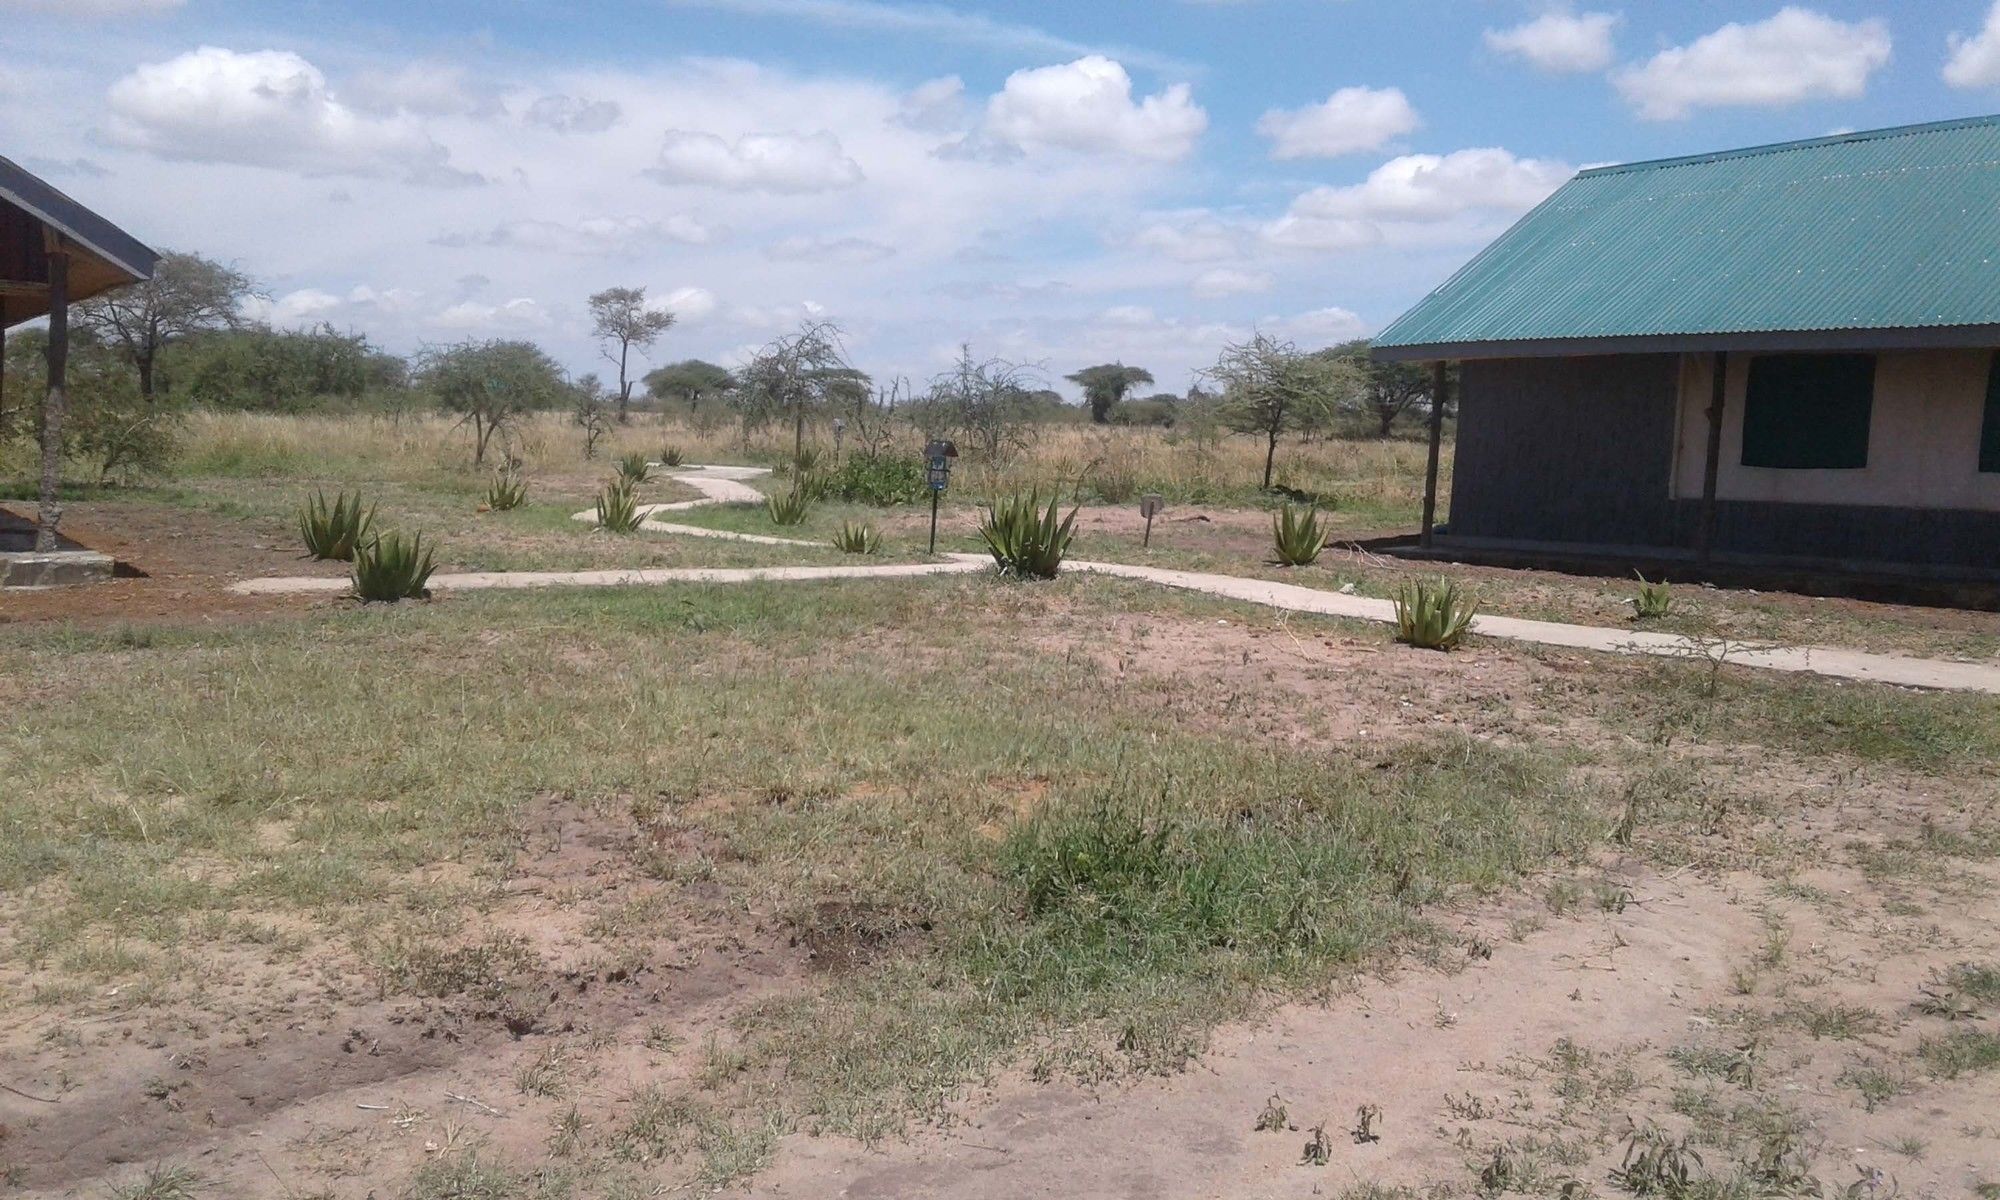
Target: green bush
[(618, 506), (1653, 600), (1027, 542), (392, 567), (857, 539), (633, 468), (879, 481), (506, 491), (1433, 616), (672, 456), (788, 508), (1298, 537), (334, 531)]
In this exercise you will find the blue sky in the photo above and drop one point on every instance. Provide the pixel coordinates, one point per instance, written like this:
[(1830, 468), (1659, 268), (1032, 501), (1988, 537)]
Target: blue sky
[(1057, 183)]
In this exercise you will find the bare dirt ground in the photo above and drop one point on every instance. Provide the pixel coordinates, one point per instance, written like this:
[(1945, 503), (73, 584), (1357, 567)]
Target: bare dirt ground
[(187, 558), (1774, 1007), (1540, 1051)]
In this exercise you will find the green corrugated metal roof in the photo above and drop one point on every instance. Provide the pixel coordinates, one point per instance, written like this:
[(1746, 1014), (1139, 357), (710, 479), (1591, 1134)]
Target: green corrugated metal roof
[(1893, 229)]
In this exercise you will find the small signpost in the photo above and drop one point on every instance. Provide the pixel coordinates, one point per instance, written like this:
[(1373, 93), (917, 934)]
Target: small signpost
[(1150, 505), (938, 458)]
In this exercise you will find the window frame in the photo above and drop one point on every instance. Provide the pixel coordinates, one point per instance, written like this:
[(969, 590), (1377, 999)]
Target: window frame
[(1774, 415)]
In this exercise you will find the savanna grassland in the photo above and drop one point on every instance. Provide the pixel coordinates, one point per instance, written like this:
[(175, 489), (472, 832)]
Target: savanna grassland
[(957, 886)]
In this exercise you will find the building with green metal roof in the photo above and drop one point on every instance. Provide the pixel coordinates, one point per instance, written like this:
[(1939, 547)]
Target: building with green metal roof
[(1772, 360)]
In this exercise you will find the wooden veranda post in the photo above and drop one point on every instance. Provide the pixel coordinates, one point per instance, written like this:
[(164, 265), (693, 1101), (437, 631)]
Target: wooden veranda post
[(49, 514), (1718, 392), (1440, 385)]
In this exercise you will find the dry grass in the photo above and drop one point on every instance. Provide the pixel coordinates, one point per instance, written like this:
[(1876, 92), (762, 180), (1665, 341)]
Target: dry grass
[(1114, 463)]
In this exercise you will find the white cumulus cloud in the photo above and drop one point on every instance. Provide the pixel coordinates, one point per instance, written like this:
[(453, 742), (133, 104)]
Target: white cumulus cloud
[(1974, 61), (1559, 42), (266, 108), (1087, 106), (1191, 238), (689, 303), (1416, 189), (573, 114), (759, 162), (476, 316), (811, 249), (1796, 54), (1351, 120), (1230, 281), (588, 236)]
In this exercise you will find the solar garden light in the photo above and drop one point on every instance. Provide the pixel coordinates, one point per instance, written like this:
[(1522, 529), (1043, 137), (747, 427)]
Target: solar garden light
[(938, 457), (1150, 505)]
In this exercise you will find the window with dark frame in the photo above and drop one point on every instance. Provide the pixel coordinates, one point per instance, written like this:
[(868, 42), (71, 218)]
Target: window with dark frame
[(1989, 428), (1807, 412)]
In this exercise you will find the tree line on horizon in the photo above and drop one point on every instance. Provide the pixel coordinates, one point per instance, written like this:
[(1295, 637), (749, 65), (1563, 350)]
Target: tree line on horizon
[(141, 354)]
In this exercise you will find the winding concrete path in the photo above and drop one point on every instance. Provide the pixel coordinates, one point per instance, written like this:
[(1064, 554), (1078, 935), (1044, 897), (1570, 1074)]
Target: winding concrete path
[(724, 485), (717, 485), (1814, 660)]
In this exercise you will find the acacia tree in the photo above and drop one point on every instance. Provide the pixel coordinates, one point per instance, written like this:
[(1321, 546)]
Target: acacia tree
[(794, 373), (623, 323), (188, 294), (1106, 384), (587, 412), (985, 401), (1269, 388), (690, 381), (491, 384), (1385, 390)]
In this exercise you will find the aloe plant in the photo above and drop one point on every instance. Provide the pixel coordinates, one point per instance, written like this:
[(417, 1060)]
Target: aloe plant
[(857, 539), (1653, 601), (334, 531), (1297, 536), (672, 456), (1027, 542), (505, 491), (618, 506), (633, 468), (392, 567), (1434, 616), (788, 508)]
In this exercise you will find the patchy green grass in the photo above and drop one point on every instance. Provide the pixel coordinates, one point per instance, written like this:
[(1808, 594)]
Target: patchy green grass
[(1115, 926), (1950, 1055), (1934, 732)]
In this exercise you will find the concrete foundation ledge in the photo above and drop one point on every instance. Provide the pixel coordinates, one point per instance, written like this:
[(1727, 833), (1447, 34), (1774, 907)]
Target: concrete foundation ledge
[(57, 568)]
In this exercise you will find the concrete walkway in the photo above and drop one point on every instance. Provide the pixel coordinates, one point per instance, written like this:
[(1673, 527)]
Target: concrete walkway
[(723, 485), (717, 485), (490, 580), (1815, 660)]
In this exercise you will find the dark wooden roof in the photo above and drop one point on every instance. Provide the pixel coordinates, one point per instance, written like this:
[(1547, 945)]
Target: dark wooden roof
[(103, 255)]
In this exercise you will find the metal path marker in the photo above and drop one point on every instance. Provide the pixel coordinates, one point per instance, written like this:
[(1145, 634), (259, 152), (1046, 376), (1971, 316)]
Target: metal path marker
[(937, 474), (1150, 505)]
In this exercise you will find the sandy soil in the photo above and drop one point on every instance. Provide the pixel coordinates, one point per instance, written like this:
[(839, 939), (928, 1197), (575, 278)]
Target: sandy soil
[(184, 558), (1459, 1062), (1536, 1031)]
